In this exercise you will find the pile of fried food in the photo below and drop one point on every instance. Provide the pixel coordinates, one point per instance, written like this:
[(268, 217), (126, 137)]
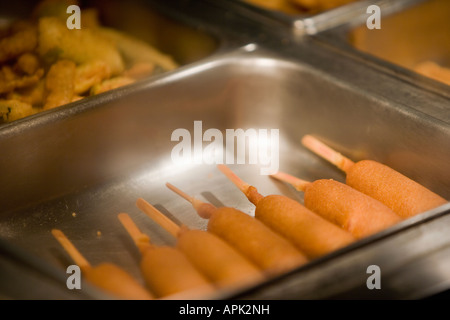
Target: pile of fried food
[(299, 6), (44, 64)]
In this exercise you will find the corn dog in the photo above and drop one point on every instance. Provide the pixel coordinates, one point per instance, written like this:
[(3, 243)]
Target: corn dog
[(105, 276), (265, 248), (312, 234), (215, 258), (403, 195), (346, 207), (165, 269)]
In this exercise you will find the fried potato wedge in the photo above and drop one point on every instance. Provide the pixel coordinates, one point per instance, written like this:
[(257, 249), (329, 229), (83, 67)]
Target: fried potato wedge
[(11, 110), (81, 46), (135, 50), (60, 84)]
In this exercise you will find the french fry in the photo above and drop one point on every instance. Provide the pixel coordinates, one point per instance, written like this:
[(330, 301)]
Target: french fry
[(59, 84)]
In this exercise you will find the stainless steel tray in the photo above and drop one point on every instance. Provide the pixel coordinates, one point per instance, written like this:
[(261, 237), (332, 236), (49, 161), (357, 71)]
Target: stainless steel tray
[(182, 40), (402, 42), (96, 157), (312, 23)]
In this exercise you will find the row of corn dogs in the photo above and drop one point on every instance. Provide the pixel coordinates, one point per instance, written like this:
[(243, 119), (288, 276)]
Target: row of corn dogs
[(240, 250)]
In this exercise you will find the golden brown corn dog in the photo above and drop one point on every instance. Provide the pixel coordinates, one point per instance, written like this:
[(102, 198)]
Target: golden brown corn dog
[(165, 269), (403, 195), (215, 258), (265, 248), (106, 276), (312, 234), (346, 207)]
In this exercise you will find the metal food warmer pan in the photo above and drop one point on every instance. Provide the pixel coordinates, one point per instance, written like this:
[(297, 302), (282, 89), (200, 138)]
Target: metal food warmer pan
[(412, 44), (76, 167), (315, 16)]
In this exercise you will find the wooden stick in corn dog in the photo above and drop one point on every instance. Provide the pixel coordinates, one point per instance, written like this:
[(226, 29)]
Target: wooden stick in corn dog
[(350, 209), (106, 276), (311, 233), (403, 195), (166, 270), (216, 259), (265, 248)]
